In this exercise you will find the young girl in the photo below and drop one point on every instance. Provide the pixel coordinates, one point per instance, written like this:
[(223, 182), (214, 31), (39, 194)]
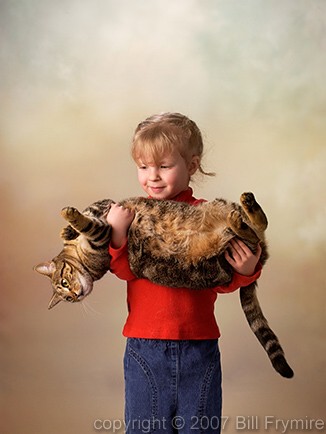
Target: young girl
[(172, 360)]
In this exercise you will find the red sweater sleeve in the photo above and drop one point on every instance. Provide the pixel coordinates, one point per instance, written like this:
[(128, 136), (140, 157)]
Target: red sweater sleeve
[(239, 280), (119, 264), (120, 267)]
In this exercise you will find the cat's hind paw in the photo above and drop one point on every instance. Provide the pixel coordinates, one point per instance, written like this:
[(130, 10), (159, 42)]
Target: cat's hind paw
[(253, 210), (248, 202)]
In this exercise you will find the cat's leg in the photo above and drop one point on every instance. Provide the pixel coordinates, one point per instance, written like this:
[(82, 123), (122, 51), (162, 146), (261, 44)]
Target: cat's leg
[(254, 211), (90, 227), (69, 233), (240, 228), (77, 220)]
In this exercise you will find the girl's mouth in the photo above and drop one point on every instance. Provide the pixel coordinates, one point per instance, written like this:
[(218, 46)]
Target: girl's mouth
[(156, 189)]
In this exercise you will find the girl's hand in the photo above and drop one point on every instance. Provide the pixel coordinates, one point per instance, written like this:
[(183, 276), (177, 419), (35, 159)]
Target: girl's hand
[(120, 219), (242, 259)]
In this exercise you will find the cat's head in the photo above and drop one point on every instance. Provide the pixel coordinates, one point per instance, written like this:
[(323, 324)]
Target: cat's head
[(68, 282)]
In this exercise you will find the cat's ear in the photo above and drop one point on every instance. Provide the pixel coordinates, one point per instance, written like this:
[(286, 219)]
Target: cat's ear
[(54, 300), (45, 268)]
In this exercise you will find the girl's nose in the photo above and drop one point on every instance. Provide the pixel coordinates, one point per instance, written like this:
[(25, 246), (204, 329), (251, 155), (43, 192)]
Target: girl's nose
[(154, 174)]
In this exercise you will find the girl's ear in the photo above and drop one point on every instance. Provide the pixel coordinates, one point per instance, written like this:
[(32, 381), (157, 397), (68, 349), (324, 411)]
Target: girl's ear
[(194, 164)]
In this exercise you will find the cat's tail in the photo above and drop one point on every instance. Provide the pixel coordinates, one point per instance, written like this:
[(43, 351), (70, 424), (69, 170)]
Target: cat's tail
[(263, 332)]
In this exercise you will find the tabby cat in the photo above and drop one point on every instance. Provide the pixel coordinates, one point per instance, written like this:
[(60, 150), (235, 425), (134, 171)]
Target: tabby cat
[(170, 243)]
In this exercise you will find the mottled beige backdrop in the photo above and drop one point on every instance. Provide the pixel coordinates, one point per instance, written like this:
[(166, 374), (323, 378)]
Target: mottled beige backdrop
[(76, 78)]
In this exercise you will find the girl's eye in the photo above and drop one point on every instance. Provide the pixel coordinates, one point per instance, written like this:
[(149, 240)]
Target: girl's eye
[(64, 283), (166, 166)]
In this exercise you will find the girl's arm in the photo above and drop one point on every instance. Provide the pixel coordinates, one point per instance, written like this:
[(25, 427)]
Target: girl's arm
[(246, 265), (241, 258), (119, 264), (120, 219), (239, 280)]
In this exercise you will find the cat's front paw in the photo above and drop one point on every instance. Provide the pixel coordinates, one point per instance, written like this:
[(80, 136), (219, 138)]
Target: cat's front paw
[(69, 233), (70, 214), (248, 201)]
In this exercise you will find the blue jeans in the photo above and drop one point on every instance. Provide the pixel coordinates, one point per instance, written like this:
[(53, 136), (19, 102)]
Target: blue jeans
[(172, 386)]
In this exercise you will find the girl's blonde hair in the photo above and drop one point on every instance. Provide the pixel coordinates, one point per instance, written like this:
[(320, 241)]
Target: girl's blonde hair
[(161, 134)]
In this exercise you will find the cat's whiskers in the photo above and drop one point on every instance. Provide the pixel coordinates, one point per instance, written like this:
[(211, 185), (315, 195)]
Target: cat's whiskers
[(89, 309)]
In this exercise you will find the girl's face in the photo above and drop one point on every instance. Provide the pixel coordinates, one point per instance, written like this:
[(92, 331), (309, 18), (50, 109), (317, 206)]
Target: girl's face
[(167, 178)]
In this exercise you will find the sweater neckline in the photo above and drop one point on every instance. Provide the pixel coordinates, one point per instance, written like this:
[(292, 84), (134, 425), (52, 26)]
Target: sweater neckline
[(184, 196)]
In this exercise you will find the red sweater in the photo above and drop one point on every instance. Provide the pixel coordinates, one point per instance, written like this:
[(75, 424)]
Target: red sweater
[(159, 312)]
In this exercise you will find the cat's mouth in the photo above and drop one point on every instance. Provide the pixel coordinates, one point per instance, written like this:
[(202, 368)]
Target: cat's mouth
[(74, 297)]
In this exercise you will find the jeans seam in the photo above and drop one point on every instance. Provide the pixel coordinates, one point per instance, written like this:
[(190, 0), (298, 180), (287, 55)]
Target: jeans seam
[(151, 380), (205, 387), (207, 381)]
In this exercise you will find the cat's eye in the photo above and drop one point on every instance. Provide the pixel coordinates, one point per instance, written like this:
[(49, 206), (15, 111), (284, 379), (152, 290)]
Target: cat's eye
[(64, 283)]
